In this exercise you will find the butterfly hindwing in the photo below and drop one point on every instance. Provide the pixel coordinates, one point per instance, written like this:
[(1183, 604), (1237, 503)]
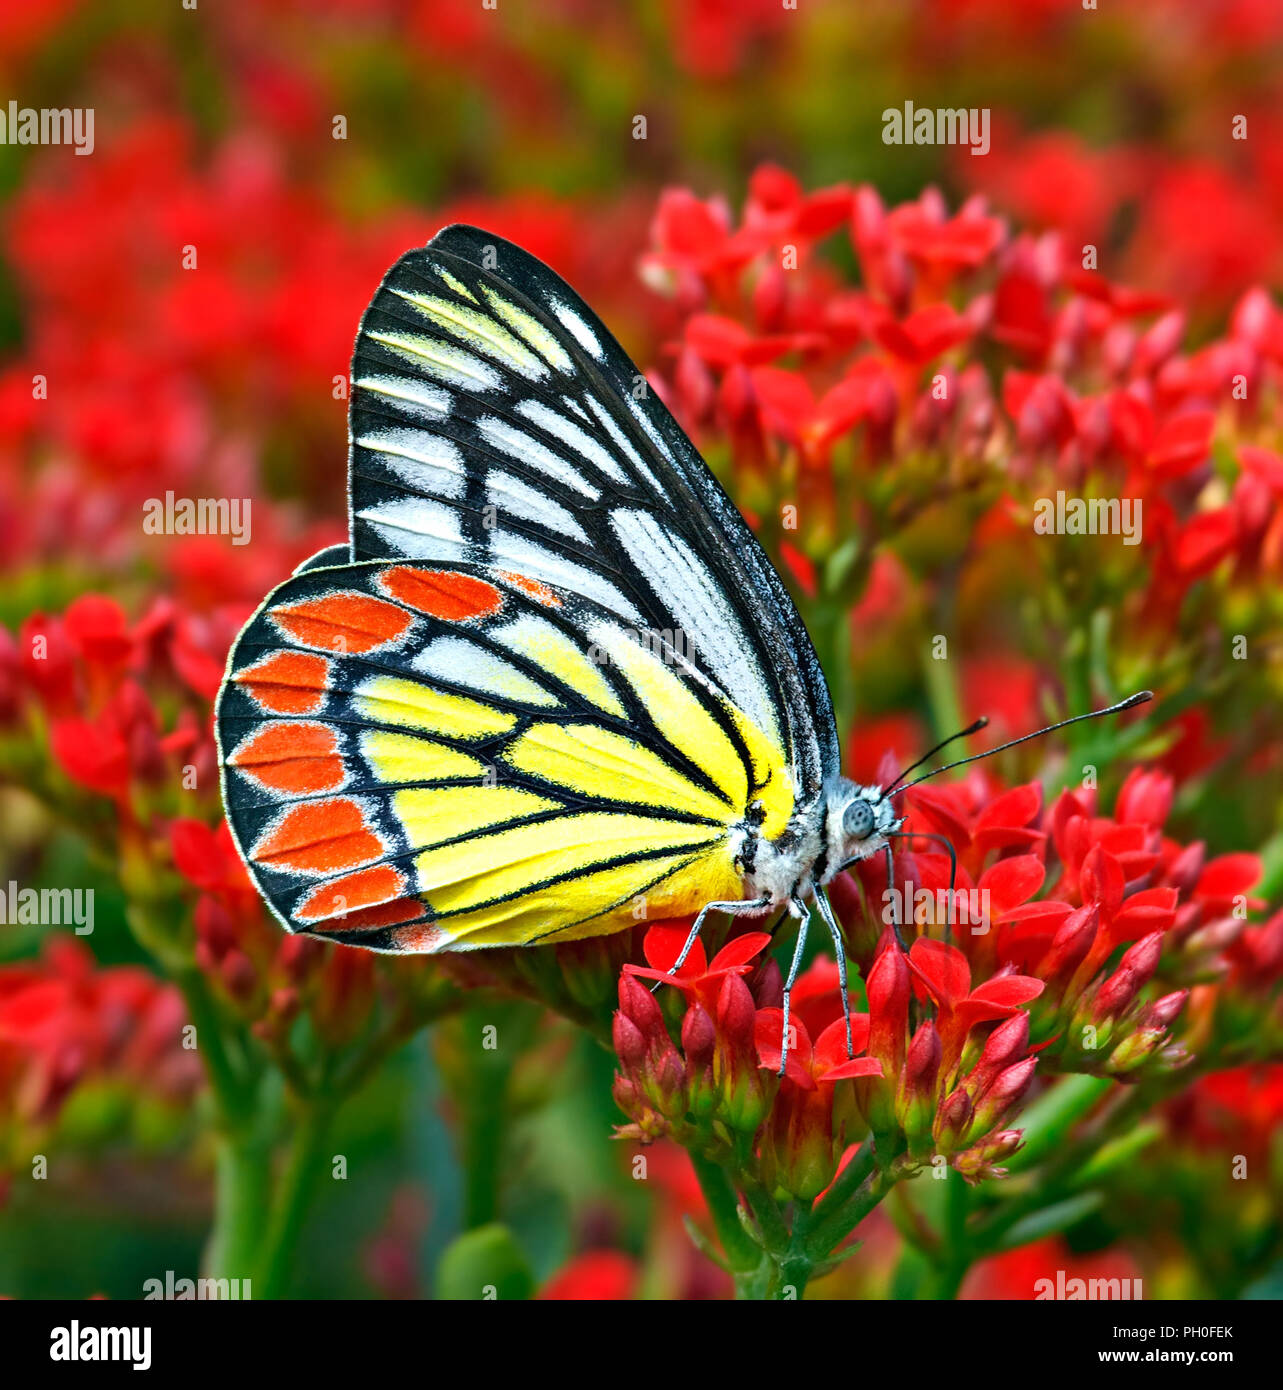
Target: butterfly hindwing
[(495, 420), (422, 756)]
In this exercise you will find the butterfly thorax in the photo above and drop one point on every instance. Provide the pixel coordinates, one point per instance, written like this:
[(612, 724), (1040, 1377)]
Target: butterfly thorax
[(846, 823)]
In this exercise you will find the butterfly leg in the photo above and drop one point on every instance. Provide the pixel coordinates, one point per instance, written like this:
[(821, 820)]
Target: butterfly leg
[(839, 950), (895, 916), (803, 913), (741, 905), (953, 869)]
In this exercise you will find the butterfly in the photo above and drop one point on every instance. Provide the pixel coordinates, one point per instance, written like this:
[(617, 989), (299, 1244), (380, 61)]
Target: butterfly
[(552, 685)]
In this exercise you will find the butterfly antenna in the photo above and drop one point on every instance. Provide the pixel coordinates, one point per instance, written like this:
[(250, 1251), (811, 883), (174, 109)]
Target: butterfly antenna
[(975, 728), (1130, 702)]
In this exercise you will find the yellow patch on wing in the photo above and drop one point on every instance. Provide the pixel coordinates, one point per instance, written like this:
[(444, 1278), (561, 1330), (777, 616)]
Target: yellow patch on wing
[(678, 715), (534, 332), (478, 330), (463, 876), (393, 700), (557, 654), (456, 285), (598, 763), (442, 360), (407, 758), (772, 776), (430, 815), (599, 902)]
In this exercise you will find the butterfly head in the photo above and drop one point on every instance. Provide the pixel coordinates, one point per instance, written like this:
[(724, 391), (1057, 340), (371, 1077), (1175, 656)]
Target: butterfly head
[(860, 819)]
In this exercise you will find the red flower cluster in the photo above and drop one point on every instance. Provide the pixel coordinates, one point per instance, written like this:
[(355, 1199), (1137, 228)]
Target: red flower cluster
[(95, 681), (63, 1021), (1061, 893), (264, 974), (1029, 983), (1095, 388), (721, 1089)]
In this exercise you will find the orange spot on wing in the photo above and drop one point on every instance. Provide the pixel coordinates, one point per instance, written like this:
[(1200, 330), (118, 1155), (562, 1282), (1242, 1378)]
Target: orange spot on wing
[(321, 837), (287, 682), (541, 593), (422, 938), (385, 915), (356, 900), (443, 594), (292, 758), (346, 622)]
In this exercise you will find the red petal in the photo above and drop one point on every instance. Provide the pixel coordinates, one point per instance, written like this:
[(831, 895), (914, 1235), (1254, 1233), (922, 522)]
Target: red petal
[(25, 1015), (1014, 808), (1011, 882), (768, 1028), (937, 810), (663, 944), (1008, 991), (857, 1066), (1228, 875), (942, 968), (740, 951), (1102, 880), (830, 1046)]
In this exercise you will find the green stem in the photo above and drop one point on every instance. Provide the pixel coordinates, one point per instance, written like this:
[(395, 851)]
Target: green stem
[(829, 1231), (233, 1094), (241, 1186), (955, 1256), (242, 1181), (742, 1253), (293, 1197), (848, 1181)]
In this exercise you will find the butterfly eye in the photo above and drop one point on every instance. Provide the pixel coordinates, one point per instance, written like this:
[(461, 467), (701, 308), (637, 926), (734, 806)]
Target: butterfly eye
[(857, 819)]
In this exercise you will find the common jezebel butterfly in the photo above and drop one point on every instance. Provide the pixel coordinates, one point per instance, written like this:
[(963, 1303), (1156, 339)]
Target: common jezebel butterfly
[(552, 674)]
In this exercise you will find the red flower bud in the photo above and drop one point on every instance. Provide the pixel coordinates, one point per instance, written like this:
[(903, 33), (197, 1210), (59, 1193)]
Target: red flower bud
[(1005, 1046), (214, 926), (915, 1100), (1186, 869), (745, 1089), (238, 975), (888, 990), (1135, 968), (1003, 1096), (1162, 1013), (1069, 948), (768, 985), (699, 1041), (952, 1120), (980, 1161), (736, 1015), (698, 1037), (298, 957), (641, 1007), (629, 1042), (1215, 937)]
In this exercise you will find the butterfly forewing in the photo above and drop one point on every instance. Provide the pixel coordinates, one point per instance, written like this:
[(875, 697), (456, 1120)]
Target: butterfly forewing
[(425, 757), (494, 420)]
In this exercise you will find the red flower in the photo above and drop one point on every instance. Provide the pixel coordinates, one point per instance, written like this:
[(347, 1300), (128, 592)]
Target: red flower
[(944, 975), (1037, 1271), (697, 979), (596, 1275), (805, 1133)]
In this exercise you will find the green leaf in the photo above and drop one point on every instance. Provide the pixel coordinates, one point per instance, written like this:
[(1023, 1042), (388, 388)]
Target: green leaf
[(1118, 1153), (839, 563), (486, 1263), (1051, 1220), (1047, 1122)]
